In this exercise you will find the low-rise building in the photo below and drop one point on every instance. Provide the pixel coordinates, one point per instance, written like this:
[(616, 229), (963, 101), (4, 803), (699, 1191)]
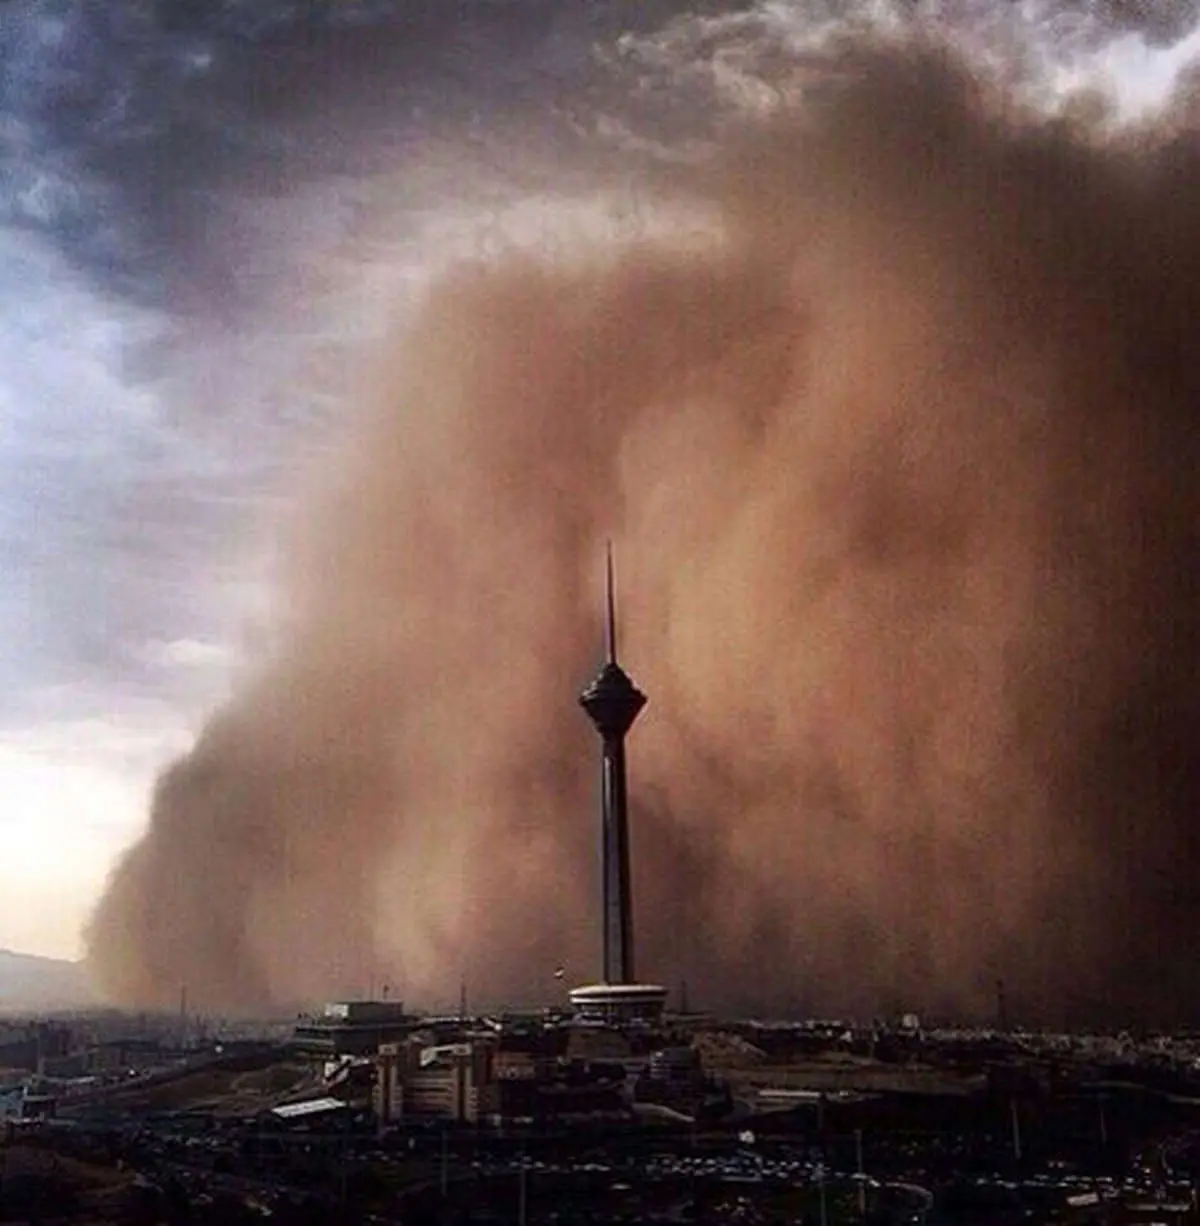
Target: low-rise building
[(453, 1081), (27, 1045), (352, 1028), (127, 1055), (676, 1065), (598, 1042), (524, 1057)]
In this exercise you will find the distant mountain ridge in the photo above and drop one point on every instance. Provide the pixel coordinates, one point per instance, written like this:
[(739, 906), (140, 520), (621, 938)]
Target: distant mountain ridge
[(29, 982)]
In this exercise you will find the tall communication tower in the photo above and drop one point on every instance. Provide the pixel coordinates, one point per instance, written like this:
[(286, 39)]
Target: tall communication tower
[(613, 702)]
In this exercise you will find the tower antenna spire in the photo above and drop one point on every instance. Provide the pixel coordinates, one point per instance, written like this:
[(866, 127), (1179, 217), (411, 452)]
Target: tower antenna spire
[(610, 624)]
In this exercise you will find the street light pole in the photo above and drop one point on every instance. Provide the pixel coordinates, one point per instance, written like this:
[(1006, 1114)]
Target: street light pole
[(862, 1185)]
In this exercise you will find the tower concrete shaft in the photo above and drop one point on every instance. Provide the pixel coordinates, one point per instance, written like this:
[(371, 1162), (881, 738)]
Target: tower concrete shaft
[(613, 702)]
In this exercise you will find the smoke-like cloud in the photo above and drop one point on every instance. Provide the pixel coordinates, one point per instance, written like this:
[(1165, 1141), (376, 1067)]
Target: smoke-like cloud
[(900, 464)]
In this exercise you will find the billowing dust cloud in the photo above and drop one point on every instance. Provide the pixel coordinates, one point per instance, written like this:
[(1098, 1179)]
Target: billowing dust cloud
[(901, 469)]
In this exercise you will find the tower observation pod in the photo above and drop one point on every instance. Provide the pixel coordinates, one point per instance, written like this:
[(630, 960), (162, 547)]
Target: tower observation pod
[(613, 703)]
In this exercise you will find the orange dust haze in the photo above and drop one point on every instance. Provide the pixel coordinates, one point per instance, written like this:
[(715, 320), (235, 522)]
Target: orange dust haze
[(900, 463)]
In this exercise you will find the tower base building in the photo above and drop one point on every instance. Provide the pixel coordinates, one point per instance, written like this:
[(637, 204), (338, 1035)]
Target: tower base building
[(618, 1004)]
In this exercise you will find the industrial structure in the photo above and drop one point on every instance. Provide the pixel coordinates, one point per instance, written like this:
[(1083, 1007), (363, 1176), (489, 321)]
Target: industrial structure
[(613, 702)]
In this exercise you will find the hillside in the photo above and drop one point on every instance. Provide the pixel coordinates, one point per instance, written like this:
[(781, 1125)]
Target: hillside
[(29, 983)]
